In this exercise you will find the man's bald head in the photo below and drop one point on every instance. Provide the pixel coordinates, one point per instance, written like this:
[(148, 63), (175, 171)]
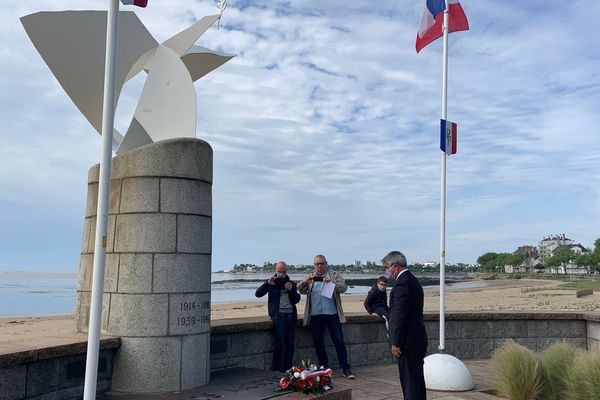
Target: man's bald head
[(280, 266)]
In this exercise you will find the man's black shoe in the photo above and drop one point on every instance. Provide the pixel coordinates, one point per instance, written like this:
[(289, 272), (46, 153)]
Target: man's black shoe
[(348, 374)]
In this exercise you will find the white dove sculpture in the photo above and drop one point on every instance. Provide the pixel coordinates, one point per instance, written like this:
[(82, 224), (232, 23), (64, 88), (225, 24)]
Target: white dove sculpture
[(72, 43)]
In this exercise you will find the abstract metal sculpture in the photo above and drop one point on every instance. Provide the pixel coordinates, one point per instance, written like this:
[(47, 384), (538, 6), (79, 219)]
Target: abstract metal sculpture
[(72, 43)]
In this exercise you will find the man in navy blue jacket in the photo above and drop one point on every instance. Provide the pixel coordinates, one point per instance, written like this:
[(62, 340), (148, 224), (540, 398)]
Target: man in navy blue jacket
[(408, 338), (282, 301), (376, 302)]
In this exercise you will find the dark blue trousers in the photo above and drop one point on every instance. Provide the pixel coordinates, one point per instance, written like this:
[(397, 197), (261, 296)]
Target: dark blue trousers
[(285, 341), (318, 323), (410, 367), (383, 311)]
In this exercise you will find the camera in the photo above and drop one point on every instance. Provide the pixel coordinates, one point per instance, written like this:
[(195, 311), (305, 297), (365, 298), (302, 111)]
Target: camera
[(280, 283), (317, 279)]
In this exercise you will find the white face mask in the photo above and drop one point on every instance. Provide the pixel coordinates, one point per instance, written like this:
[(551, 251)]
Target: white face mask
[(381, 287)]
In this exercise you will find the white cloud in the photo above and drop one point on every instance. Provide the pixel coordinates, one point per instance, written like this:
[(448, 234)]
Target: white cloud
[(325, 129)]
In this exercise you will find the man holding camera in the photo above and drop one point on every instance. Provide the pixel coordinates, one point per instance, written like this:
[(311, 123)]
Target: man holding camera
[(282, 301), (324, 310)]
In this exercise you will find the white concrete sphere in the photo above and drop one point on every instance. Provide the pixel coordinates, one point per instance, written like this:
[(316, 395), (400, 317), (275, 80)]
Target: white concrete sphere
[(446, 372)]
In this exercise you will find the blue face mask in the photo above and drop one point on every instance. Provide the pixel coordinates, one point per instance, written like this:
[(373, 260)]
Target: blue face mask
[(389, 273)]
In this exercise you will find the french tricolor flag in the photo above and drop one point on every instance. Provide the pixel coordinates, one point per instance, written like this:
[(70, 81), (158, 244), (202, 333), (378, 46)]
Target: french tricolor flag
[(432, 20), (448, 137), (139, 3)]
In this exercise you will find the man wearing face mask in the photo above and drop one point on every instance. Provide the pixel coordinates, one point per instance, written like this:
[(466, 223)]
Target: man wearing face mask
[(325, 311), (376, 302), (408, 338), (282, 301)]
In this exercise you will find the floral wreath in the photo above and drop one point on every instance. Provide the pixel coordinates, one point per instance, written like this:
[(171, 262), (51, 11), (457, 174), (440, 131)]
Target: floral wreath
[(307, 378)]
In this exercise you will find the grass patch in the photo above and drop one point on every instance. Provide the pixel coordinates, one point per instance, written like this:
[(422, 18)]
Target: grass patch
[(582, 284), (583, 380), (561, 372), (517, 372), (557, 362)]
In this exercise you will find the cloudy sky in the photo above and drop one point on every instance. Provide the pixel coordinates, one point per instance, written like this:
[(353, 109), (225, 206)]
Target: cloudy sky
[(325, 131)]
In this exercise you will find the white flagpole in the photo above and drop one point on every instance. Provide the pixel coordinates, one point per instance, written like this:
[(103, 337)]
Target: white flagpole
[(442, 344), (108, 117)]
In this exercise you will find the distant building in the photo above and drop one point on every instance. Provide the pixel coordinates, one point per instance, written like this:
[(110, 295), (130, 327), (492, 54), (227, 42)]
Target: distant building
[(528, 251), (576, 248), (550, 243), (429, 264), (572, 268), (531, 255)]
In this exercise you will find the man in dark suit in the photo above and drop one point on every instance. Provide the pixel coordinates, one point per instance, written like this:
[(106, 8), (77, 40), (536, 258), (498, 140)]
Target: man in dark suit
[(408, 338)]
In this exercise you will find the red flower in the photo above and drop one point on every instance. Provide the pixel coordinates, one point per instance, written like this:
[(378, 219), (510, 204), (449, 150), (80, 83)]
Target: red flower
[(300, 383), (310, 383), (284, 383)]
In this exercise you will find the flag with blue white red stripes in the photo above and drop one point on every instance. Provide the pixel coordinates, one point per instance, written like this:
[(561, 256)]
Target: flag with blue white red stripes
[(430, 27), (448, 137)]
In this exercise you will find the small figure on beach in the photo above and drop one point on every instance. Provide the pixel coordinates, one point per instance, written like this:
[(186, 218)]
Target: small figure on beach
[(324, 310), (282, 299), (408, 338), (376, 302)]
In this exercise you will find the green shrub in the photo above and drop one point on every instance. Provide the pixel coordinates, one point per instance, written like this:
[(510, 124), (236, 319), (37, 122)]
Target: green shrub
[(557, 362), (517, 372), (583, 380)]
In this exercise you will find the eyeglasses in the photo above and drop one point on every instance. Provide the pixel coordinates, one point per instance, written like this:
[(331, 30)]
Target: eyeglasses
[(319, 263)]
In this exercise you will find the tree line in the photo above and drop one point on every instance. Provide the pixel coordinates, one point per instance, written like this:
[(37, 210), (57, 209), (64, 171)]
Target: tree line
[(589, 261), (491, 261)]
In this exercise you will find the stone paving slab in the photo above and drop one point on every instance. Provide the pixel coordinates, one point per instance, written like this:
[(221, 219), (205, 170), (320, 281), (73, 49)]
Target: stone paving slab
[(234, 384), (375, 382)]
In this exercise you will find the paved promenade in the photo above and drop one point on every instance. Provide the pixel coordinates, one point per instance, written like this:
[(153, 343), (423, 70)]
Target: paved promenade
[(375, 382)]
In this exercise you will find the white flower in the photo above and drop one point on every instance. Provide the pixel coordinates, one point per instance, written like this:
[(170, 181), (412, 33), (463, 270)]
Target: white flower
[(296, 374), (318, 378)]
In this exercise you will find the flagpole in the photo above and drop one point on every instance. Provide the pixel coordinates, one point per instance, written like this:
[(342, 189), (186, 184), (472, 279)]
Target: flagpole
[(442, 344), (444, 371), (108, 117)]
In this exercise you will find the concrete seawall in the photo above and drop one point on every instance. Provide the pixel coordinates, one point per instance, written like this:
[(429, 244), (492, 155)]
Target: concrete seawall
[(248, 342), (34, 366)]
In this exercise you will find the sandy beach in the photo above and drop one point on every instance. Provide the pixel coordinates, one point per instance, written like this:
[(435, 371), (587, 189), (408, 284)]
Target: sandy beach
[(504, 294)]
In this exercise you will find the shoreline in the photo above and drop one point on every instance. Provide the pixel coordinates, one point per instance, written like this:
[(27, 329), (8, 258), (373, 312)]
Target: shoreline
[(496, 295)]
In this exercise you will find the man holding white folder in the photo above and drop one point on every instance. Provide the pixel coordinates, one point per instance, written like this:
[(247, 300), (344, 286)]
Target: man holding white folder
[(324, 310)]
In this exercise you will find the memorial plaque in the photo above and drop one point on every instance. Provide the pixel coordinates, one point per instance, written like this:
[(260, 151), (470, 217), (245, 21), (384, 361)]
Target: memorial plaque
[(189, 313)]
